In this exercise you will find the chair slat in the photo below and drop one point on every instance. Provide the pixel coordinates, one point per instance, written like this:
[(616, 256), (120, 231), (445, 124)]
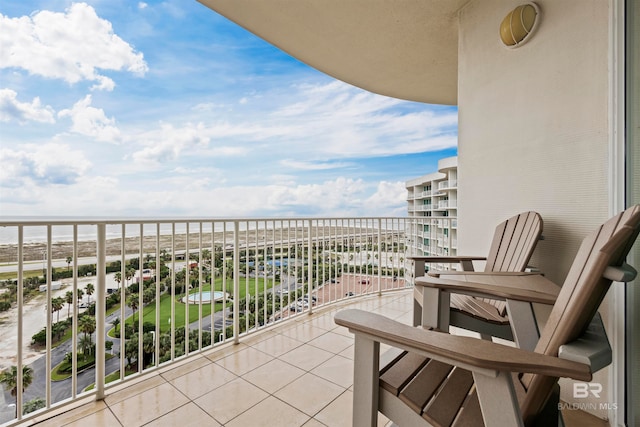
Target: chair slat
[(445, 406), (422, 387), (477, 308), (397, 376), (470, 414)]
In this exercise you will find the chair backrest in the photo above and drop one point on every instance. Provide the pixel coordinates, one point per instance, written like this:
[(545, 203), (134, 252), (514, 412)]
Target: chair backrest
[(582, 292), (513, 242)]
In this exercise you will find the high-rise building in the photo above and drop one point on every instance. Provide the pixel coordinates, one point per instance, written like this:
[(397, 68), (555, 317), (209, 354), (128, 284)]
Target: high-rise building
[(432, 201)]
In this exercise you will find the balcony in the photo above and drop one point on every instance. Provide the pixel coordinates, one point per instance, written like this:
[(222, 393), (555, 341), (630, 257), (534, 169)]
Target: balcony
[(293, 366), (290, 275)]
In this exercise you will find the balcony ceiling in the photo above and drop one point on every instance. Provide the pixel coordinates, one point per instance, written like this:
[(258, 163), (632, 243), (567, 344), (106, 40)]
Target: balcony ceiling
[(405, 49)]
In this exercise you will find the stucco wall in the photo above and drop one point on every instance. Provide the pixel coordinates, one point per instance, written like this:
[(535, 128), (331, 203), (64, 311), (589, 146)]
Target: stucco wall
[(533, 127)]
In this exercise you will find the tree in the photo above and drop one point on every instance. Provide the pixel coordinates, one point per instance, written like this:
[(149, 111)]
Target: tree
[(80, 294), (148, 347), (132, 302), (57, 304), (69, 259), (129, 273), (131, 348), (116, 323), (34, 404), (86, 345), (9, 378), (89, 291), (68, 298), (118, 278), (87, 325)]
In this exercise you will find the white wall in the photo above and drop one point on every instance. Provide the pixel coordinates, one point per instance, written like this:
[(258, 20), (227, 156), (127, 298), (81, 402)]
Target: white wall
[(533, 127)]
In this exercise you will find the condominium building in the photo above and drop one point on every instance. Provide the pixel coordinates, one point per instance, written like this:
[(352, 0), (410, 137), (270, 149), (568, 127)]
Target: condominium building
[(432, 201)]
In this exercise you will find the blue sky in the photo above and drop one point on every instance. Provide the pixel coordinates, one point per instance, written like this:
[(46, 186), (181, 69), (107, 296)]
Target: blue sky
[(125, 108)]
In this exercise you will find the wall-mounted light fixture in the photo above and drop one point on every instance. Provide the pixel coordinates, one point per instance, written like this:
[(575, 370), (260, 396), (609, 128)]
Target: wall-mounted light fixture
[(519, 24)]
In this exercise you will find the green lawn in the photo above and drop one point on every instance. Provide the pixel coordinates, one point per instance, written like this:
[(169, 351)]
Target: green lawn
[(149, 312)]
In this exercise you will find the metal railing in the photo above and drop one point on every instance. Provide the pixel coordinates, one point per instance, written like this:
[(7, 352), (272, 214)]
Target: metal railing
[(141, 294)]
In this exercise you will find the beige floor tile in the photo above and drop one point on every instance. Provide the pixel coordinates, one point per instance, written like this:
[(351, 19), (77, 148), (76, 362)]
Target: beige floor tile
[(270, 412), (244, 360), (303, 332), (332, 342), (65, 417), (200, 381), (391, 313), (306, 357), (324, 321), (338, 370), (224, 351), (342, 331), (230, 400), (339, 412), (148, 405), (184, 368), (309, 393), (103, 418), (132, 390), (277, 345), (189, 415), (348, 352), (313, 423), (274, 375)]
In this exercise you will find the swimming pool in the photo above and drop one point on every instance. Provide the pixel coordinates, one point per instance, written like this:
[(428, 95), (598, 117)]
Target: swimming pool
[(194, 298)]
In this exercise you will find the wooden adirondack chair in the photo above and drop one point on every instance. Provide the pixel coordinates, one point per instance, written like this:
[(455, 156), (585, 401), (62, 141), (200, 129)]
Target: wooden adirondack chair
[(512, 246), (441, 379)]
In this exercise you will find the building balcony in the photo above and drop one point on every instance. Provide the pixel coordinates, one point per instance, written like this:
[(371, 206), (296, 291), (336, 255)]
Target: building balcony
[(284, 272), (297, 373), (270, 356)]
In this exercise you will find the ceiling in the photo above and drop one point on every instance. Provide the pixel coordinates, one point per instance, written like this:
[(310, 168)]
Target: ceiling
[(405, 49)]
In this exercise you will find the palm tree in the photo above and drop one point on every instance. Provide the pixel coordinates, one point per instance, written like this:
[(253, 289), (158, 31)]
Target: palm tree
[(68, 298), (116, 323), (9, 378), (69, 259), (80, 294), (118, 278), (86, 344), (87, 325), (129, 273), (148, 346), (132, 302), (57, 304), (89, 291)]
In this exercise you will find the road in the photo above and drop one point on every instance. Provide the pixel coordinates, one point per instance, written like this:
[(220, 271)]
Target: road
[(60, 390)]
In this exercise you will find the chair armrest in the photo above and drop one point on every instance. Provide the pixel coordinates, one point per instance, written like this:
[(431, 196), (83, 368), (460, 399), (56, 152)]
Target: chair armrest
[(487, 357), (592, 348), (438, 273), (447, 259), (515, 286)]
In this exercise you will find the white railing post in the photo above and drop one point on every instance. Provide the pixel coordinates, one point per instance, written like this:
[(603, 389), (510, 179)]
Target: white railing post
[(19, 297), (309, 269), (379, 257), (236, 282), (101, 290)]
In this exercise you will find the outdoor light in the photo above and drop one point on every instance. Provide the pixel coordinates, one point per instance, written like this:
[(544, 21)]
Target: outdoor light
[(519, 24)]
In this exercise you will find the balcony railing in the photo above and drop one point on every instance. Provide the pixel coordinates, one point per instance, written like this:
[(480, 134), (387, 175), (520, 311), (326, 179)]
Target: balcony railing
[(137, 295)]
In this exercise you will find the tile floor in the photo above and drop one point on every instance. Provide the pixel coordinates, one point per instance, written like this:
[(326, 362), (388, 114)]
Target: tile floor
[(296, 374)]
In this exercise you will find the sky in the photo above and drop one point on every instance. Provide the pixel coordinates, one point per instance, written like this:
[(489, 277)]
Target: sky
[(125, 108)]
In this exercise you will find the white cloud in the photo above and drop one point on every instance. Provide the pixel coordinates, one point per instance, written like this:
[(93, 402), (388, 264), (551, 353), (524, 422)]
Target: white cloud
[(12, 109), (388, 199), (302, 165), (72, 46), (333, 121), (142, 5), (41, 164), (90, 121)]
